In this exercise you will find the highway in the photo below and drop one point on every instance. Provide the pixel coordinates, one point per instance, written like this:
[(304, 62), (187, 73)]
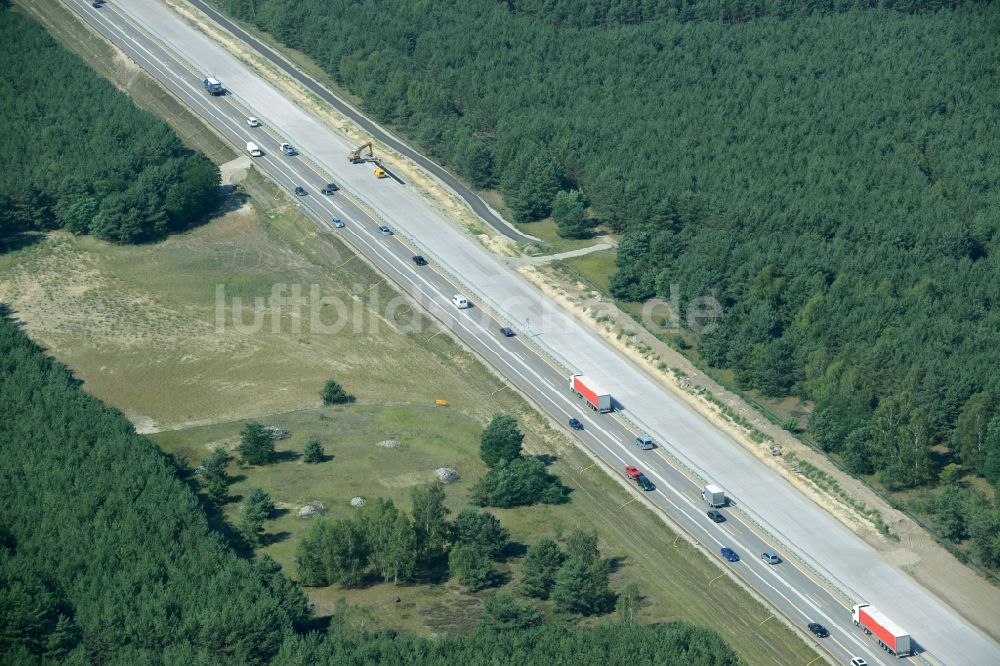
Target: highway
[(480, 207), (826, 567)]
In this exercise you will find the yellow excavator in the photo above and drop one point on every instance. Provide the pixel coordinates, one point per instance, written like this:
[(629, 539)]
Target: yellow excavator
[(380, 172), (355, 156)]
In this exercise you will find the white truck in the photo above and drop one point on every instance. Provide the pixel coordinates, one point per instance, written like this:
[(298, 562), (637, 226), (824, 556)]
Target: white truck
[(253, 149), (714, 496)]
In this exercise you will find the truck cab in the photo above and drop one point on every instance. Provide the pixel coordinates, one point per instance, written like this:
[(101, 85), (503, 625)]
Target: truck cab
[(213, 86)]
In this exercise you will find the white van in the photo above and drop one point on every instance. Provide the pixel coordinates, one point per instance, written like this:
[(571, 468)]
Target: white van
[(253, 122), (253, 149), (459, 301)]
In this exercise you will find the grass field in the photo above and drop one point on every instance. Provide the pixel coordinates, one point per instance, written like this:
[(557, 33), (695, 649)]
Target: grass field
[(137, 324), (595, 268), (673, 575), (547, 232)]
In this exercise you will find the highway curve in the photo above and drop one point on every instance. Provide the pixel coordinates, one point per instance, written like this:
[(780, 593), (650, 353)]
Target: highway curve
[(478, 206)]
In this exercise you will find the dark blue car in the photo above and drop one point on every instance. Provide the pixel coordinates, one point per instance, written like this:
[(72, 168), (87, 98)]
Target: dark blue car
[(730, 554)]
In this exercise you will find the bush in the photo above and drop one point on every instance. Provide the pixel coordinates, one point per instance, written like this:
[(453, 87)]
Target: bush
[(333, 393), (502, 612), (470, 564), (501, 440), (314, 452), (482, 529), (518, 482)]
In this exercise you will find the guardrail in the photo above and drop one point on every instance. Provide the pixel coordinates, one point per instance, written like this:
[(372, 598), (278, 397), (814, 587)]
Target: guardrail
[(772, 533)]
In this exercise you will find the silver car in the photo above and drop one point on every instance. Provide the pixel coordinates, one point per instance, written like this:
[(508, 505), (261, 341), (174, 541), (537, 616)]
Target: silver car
[(337, 222), (770, 557)]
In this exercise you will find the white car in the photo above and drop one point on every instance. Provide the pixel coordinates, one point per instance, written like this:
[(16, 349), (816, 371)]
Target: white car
[(253, 122)]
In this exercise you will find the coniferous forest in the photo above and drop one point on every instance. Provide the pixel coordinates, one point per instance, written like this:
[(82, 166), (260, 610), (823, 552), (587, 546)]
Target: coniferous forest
[(826, 170), (106, 556), (78, 154)]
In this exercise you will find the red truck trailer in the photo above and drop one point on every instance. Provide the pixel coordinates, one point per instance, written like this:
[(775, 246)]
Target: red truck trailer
[(889, 635), (586, 388)]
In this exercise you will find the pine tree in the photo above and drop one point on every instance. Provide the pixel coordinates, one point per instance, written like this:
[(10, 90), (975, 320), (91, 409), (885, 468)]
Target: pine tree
[(570, 215), (582, 544), (256, 444), (214, 475), (333, 393), (482, 529), (314, 452), (257, 508), (501, 440), (541, 564), (582, 587)]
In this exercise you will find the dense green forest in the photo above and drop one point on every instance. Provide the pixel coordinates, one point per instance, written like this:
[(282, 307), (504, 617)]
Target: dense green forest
[(826, 170), (77, 154), (106, 556)]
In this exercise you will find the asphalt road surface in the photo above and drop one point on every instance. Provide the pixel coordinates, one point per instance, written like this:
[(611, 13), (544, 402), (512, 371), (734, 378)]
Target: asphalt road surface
[(471, 198), (826, 567)]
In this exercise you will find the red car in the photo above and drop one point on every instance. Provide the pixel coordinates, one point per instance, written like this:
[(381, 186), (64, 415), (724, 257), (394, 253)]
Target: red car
[(632, 472)]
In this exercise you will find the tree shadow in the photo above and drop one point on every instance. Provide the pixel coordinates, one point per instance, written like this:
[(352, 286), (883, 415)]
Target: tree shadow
[(940, 458), (278, 513), (286, 456), (432, 570), (511, 550), (271, 538), (546, 458), (217, 522), (20, 241), (231, 198), (616, 563), (370, 579), (498, 579)]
